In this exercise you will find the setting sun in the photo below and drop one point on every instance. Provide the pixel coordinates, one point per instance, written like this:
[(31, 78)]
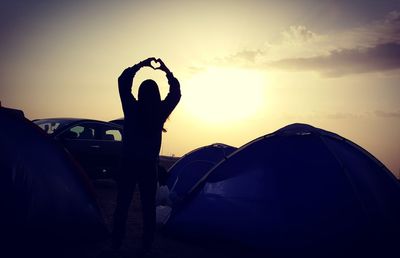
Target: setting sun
[(223, 95)]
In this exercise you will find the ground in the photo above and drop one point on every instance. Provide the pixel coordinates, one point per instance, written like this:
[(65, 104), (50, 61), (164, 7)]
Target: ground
[(164, 246)]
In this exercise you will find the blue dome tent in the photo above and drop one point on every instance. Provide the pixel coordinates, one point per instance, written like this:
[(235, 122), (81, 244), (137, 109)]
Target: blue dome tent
[(189, 169), (298, 192), (47, 201)]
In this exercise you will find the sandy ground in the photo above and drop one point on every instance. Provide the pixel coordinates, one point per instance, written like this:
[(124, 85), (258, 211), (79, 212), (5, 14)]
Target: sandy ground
[(164, 246)]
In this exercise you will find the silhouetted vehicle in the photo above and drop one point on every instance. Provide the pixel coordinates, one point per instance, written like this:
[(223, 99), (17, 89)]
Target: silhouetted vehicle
[(96, 145), (164, 161), (118, 121)]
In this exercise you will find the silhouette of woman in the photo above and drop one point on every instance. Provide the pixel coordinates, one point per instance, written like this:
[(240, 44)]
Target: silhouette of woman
[(143, 125)]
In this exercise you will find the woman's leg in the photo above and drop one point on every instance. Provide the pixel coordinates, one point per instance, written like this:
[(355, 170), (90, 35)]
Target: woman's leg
[(126, 187), (148, 188)]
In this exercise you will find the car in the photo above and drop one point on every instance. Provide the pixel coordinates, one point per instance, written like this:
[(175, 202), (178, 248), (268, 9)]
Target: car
[(165, 162), (118, 121), (96, 145)]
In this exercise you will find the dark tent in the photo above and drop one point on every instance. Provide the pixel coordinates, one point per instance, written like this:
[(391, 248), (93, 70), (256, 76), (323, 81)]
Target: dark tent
[(189, 169), (46, 200), (298, 192)]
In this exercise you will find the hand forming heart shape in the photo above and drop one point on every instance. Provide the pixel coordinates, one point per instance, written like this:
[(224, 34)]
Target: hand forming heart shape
[(155, 64)]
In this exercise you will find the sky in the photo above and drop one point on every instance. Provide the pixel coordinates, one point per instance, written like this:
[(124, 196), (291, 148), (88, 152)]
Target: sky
[(246, 68)]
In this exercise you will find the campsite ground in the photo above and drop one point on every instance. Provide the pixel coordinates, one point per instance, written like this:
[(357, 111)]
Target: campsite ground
[(164, 246)]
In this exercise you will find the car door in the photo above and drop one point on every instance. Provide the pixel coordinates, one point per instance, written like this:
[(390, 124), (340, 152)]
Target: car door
[(80, 140), (110, 141)]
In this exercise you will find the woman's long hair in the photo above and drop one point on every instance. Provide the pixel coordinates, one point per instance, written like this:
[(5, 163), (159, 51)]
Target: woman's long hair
[(150, 106)]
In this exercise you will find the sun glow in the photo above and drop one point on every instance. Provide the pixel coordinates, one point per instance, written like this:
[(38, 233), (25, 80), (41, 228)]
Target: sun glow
[(225, 95)]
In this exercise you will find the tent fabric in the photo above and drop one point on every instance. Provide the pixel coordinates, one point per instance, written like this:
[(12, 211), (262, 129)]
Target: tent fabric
[(298, 192), (45, 196), (189, 169)]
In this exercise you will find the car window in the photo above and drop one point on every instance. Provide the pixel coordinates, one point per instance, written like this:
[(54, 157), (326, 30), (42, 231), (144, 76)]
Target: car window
[(93, 131), (107, 132), (49, 127), (112, 135), (84, 131)]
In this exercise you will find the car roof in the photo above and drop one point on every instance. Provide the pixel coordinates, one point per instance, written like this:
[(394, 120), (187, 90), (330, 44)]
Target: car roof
[(65, 121), (118, 121), (64, 118)]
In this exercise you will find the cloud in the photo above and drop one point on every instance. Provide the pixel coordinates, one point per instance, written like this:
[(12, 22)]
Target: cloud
[(247, 56), (383, 114), (378, 32), (386, 114), (340, 115), (296, 34), (196, 68), (341, 62), (373, 47), (324, 115), (387, 30)]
